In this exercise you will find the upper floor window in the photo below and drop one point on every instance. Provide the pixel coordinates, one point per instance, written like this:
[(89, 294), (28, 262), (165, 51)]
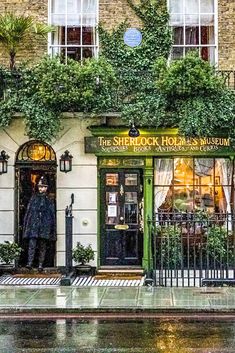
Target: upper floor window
[(75, 21), (194, 27)]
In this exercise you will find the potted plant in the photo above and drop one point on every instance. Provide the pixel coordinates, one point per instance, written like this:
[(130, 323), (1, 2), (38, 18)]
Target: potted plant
[(9, 252), (82, 255)]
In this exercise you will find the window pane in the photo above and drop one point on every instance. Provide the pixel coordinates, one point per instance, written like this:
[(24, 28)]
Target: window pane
[(178, 35), (192, 20), (220, 200), (58, 20), (177, 53), (223, 171), (208, 54), (73, 36), (163, 198), (177, 20), (207, 35), (74, 6), (191, 6), (73, 53), (131, 179), (176, 6), (207, 20), (183, 198), (207, 199), (87, 53), (88, 36), (89, 6), (58, 6), (58, 36), (204, 171), (192, 35), (207, 6), (163, 172), (112, 179), (130, 206), (183, 173)]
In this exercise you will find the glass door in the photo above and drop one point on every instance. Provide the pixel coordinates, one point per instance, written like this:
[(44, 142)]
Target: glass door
[(121, 217)]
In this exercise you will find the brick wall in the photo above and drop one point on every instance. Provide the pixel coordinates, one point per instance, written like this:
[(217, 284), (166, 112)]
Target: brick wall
[(36, 8), (226, 29), (113, 12)]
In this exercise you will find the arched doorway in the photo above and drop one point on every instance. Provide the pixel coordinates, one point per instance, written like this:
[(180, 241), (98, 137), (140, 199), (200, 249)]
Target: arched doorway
[(33, 160)]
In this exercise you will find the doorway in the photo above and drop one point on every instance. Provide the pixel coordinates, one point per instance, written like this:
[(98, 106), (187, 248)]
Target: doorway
[(121, 217), (34, 159)]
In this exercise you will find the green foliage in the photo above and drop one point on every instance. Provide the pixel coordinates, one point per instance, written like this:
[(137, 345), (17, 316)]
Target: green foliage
[(171, 255), (43, 92), (188, 77), (9, 252), (83, 254), (73, 87), (218, 245), (198, 101), (133, 66), (15, 30)]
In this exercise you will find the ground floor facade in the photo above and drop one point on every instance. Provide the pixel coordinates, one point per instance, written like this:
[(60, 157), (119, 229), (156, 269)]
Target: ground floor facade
[(126, 190)]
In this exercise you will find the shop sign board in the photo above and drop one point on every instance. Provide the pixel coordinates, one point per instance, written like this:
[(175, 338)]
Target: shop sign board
[(162, 144)]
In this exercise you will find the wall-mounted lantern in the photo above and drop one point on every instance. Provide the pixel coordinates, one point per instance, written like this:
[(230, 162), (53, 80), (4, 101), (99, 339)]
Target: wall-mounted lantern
[(3, 162), (133, 132), (66, 162)]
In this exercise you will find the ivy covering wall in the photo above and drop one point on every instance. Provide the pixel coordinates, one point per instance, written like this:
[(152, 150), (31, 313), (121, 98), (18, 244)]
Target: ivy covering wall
[(187, 93), (138, 82)]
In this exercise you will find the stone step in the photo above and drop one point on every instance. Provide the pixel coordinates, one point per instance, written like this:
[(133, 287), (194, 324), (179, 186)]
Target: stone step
[(120, 271)]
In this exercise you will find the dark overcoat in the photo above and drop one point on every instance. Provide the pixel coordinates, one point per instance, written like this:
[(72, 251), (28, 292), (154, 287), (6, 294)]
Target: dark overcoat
[(39, 220)]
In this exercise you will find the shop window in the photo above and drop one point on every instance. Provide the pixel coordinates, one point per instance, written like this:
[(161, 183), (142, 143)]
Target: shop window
[(193, 184), (75, 22), (193, 24)]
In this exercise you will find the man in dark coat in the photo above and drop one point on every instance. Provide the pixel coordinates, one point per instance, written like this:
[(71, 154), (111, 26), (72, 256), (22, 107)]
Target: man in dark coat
[(39, 223)]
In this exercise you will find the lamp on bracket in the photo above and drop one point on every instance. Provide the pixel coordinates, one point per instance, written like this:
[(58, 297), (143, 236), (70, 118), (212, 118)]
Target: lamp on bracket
[(3, 162), (66, 162), (133, 132)]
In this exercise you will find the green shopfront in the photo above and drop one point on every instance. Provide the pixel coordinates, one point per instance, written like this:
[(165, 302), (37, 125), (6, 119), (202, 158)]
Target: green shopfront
[(160, 180)]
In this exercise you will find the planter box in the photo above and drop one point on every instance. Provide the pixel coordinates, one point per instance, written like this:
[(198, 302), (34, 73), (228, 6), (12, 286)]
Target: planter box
[(85, 270)]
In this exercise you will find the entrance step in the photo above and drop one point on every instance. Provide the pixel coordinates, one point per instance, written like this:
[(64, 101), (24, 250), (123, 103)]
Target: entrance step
[(30, 280), (119, 272), (96, 281)]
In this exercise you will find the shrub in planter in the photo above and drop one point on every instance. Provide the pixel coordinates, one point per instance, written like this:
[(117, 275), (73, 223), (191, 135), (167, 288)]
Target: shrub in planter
[(83, 254), (9, 252)]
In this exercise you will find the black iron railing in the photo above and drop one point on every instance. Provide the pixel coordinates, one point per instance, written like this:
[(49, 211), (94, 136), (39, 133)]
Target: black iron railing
[(188, 248)]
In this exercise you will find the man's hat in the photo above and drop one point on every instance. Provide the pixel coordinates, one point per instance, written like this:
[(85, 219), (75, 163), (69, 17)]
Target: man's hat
[(43, 181)]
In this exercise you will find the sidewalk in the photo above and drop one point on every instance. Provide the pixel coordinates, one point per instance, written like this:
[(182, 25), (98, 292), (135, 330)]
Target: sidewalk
[(57, 299)]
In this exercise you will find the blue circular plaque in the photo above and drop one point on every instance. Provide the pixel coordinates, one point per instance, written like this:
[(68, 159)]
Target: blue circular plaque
[(132, 37)]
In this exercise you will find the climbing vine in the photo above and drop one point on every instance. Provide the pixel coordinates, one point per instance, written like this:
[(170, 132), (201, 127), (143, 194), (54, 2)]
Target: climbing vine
[(138, 82), (186, 93), (41, 93)]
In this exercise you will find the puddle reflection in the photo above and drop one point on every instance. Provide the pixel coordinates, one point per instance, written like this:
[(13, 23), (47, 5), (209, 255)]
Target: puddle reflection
[(142, 336)]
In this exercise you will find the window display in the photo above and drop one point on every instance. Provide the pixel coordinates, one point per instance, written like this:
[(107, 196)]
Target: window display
[(190, 184)]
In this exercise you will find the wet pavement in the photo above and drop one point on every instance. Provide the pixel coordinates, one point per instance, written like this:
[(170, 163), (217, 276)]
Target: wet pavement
[(95, 299), (101, 336)]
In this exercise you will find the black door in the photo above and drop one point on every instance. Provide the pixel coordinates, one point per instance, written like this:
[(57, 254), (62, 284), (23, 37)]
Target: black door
[(121, 217), (27, 179)]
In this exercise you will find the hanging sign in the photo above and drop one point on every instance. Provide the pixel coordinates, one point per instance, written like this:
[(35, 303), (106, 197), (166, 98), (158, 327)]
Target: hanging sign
[(132, 37)]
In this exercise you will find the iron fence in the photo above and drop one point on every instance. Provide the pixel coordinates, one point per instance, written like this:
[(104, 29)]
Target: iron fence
[(188, 249)]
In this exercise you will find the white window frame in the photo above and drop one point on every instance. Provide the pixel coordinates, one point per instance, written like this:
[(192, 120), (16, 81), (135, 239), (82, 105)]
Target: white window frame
[(81, 46), (215, 45)]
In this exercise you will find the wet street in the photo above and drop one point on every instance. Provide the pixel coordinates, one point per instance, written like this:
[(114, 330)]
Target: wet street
[(124, 336)]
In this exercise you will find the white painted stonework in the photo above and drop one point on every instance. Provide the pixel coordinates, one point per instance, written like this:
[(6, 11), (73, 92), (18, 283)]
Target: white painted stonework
[(81, 181)]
